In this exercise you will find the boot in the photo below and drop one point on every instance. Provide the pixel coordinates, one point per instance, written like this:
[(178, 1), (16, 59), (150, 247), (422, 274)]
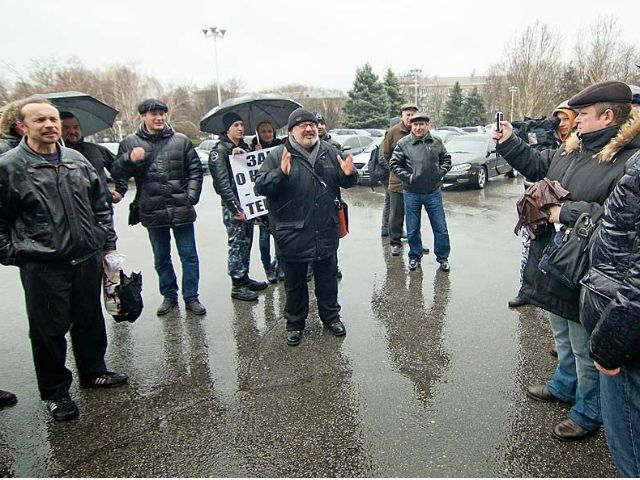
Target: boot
[(239, 291), (253, 284), (271, 273)]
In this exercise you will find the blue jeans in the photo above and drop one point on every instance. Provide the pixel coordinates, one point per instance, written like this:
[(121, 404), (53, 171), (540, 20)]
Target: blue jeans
[(620, 397), (576, 380), (185, 241), (432, 202)]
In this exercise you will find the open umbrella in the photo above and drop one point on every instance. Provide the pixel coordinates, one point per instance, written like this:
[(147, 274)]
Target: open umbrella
[(92, 114), (253, 109)]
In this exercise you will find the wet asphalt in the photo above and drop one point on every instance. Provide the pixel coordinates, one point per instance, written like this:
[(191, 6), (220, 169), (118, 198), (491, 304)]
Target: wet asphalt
[(428, 382)]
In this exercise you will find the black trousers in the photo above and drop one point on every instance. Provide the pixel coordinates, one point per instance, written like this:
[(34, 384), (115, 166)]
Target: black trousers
[(325, 273), (396, 217), (64, 298)]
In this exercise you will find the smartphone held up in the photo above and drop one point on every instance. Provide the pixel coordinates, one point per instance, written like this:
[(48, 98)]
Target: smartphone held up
[(499, 119)]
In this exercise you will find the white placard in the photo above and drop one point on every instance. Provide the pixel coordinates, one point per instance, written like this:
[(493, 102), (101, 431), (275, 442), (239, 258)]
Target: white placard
[(245, 169)]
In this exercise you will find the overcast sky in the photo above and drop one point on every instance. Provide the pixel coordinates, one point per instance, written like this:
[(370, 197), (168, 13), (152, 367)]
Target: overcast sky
[(270, 43)]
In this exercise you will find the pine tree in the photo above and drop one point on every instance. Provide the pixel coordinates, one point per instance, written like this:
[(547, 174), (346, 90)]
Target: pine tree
[(473, 108), (394, 93), (453, 109), (367, 105)]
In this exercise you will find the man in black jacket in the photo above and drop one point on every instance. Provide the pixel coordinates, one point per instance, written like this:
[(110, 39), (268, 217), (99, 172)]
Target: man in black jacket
[(168, 176), (239, 228), (302, 181), (588, 165), (610, 311), (55, 224), (420, 161)]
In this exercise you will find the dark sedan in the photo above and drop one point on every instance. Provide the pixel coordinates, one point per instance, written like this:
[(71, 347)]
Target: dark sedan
[(474, 160)]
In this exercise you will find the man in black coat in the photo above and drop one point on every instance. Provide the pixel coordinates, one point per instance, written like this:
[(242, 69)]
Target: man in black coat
[(55, 225), (168, 176), (302, 181), (588, 165), (610, 311)]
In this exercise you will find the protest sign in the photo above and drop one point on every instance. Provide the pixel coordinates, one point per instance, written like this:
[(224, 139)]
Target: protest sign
[(245, 169)]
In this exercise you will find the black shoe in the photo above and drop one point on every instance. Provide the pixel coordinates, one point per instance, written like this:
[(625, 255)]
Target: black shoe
[(195, 307), (166, 306), (272, 274), (425, 250), (254, 284), (7, 399), (339, 274), (413, 263), (106, 380), (517, 301), (445, 267), (241, 292), (569, 431), (294, 337), (63, 409), (337, 328), (541, 393), (309, 272), (396, 250)]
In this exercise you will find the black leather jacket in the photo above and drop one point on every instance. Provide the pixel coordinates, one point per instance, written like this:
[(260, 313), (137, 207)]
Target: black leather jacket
[(420, 163), (51, 213), (221, 173), (303, 213), (169, 180), (100, 157), (611, 302)]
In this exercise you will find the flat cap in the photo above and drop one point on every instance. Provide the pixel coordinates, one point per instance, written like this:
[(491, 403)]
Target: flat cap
[(152, 104), (420, 117), (603, 92), (409, 106), (300, 115)]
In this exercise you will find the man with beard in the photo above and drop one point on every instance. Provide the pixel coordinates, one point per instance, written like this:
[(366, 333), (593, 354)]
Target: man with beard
[(99, 156), (55, 224), (239, 228), (301, 181), (168, 176)]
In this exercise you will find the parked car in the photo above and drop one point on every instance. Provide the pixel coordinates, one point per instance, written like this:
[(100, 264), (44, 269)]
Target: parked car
[(354, 144), (474, 160), (445, 135), (376, 132), (453, 129), (111, 146), (474, 129), (203, 152), (348, 131), (361, 161)]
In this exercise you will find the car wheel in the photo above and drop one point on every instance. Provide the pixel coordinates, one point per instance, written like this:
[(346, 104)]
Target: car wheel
[(481, 178)]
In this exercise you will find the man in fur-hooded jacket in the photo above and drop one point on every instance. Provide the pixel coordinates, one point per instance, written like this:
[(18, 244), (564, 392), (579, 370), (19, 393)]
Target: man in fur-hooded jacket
[(588, 165), (10, 132)]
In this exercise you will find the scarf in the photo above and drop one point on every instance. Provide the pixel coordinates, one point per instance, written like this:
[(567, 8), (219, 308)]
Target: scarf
[(309, 156)]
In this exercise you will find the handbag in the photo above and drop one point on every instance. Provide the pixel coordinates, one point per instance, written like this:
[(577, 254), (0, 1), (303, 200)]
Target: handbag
[(134, 212), (343, 218), (566, 258)]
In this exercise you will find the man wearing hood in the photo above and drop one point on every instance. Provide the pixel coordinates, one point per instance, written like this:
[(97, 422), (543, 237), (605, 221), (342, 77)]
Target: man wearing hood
[(10, 132), (239, 229), (589, 165), (168, 176)]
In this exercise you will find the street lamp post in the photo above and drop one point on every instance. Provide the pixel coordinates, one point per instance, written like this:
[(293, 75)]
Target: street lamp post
[(513, 89), (416, 72), (215, 33), (119, 125)]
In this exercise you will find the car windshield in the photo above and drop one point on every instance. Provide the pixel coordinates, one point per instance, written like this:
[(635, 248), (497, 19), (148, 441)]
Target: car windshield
[(467, 144)]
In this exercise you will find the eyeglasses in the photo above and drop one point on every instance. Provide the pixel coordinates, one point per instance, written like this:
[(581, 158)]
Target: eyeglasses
[(305, 125)]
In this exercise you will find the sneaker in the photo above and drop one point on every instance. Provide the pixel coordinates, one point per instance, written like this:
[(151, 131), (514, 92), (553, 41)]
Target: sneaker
[(63, 409), (195, 307), (254, 285), (396, 250), (445, 267), (413, 263), (241, 292), (294, 337), (106, 380), (166, 306), (7, 399)]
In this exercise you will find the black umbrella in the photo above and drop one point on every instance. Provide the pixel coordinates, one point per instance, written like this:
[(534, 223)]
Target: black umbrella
[(92, 114), (253, 109)]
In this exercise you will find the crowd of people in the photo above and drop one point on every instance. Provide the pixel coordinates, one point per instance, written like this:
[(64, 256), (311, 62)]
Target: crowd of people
[(58, 237)]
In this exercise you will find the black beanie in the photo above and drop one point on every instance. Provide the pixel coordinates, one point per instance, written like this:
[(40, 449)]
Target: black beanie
[(229, 119), (300, 115)]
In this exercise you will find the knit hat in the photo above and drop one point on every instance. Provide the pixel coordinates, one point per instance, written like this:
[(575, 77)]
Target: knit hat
[(152, 104), (300, 115), (229, 119)]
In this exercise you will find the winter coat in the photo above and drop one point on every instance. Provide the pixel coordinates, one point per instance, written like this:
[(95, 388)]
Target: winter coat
[(588, 166), (389, 142), (610, 308), (169, 179), (7, 142), (100, 157), (302, 212), (9, 137), (51, 213), (420, 163), (222, 174)]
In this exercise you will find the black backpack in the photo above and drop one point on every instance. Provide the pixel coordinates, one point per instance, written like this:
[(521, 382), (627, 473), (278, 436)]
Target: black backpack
[(540, 132), (378, 170), (129, 293)]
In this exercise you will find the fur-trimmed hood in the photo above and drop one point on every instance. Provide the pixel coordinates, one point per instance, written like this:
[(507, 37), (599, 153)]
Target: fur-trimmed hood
[(8, 119), (628, 132)]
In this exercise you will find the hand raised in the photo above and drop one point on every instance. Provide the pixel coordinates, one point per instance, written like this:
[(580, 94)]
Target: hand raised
[(347, 164), (285, 163), (137, 155), (507, 131)]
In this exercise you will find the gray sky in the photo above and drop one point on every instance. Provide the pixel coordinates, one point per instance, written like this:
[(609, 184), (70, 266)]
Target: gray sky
[(270, 43)]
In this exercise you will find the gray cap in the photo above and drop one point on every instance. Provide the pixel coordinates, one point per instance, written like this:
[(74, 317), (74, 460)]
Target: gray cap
[(420, 117)]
